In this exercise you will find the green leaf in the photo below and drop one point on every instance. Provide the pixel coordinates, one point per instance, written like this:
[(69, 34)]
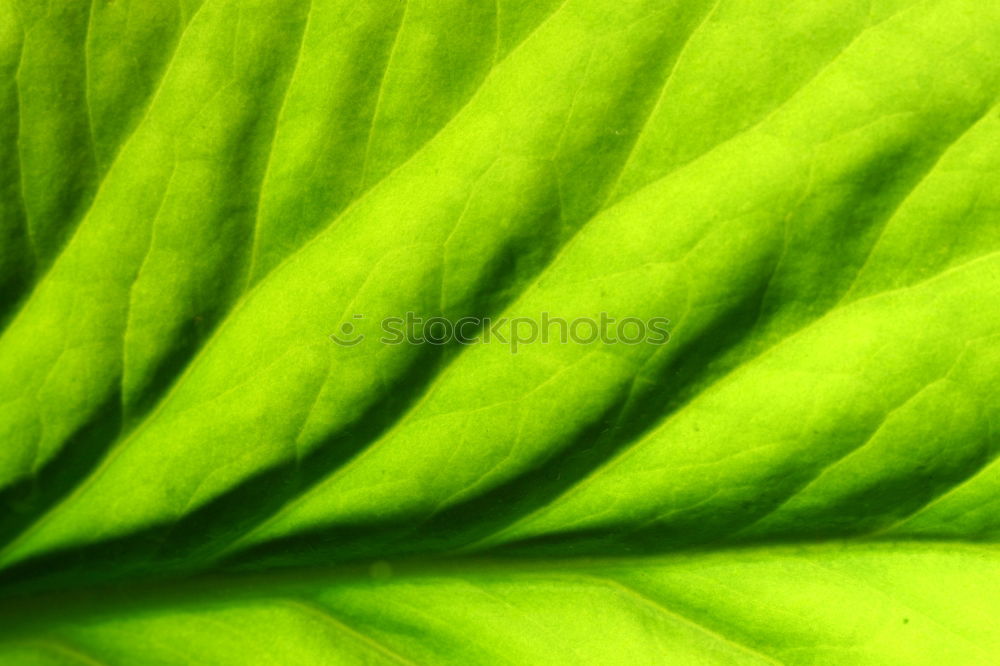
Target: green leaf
[(197, 197)]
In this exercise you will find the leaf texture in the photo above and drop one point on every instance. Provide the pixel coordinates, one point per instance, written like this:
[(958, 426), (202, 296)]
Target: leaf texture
[(195, 195)]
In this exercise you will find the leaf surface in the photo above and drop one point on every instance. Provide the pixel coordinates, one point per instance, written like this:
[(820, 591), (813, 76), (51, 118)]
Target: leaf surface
[(195, 195)]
